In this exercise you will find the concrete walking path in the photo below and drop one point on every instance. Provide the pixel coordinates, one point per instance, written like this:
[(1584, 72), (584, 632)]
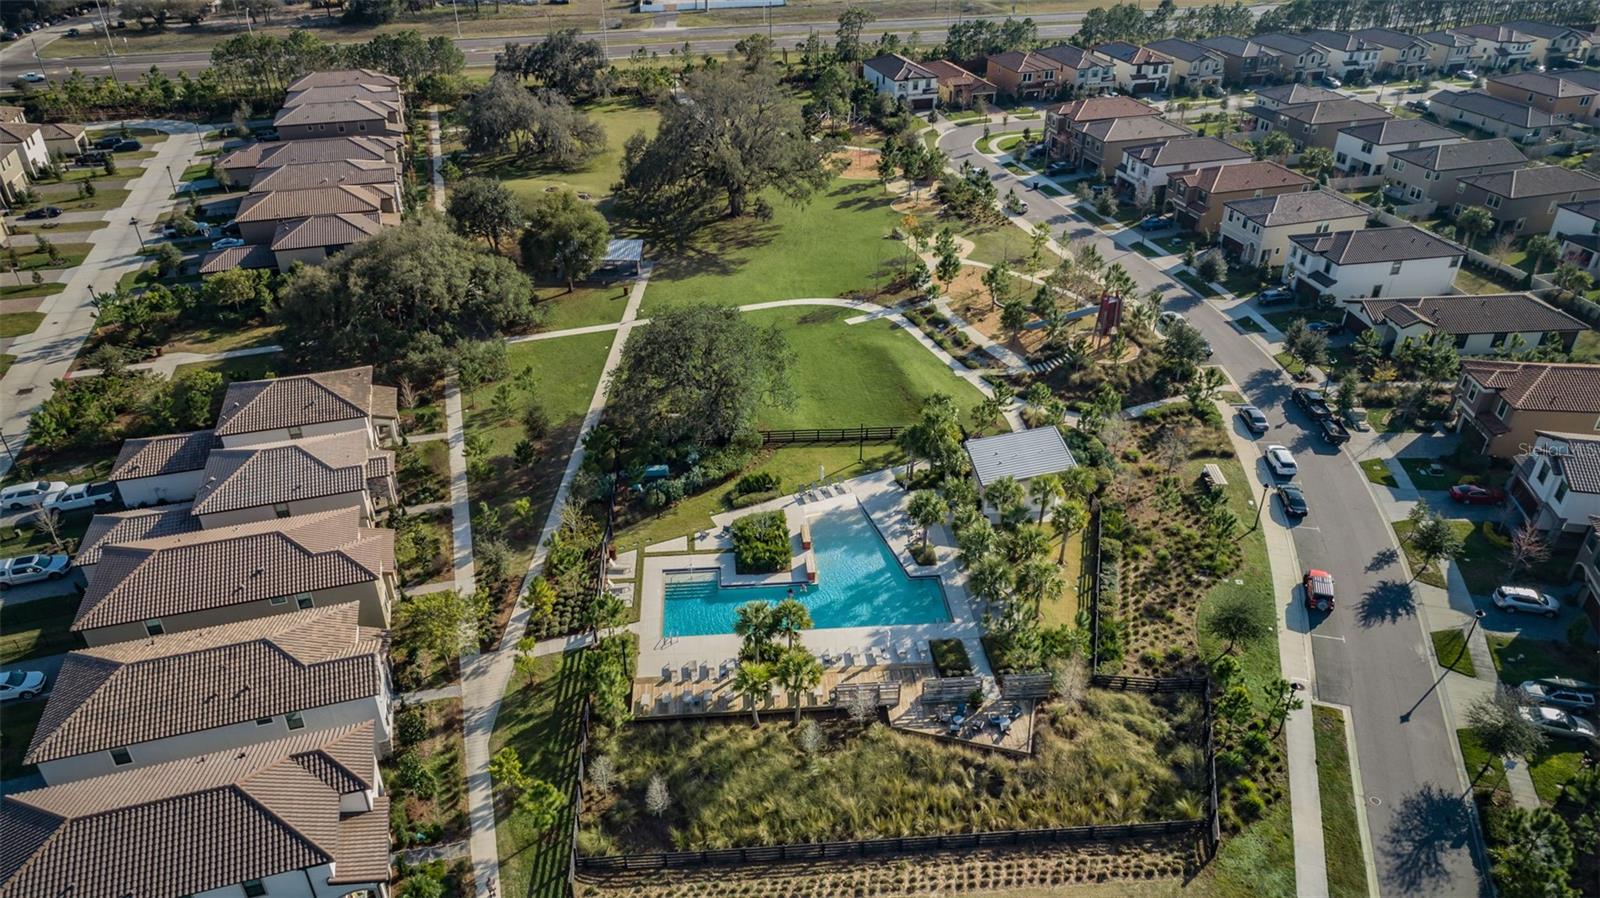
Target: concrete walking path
[(436, 151), (168, 364), (422, 696), (460, 497)]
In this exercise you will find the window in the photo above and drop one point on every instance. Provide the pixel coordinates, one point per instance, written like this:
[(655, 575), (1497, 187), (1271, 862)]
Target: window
[(278, 600), (153, 627), (1492, 201), (1026, 77), (1455, 261), (1366, 147), (1497, 341), (1394, 269), (254, 888), (1397, 165), (294, 720), (281, 509), (263, 721), (1377, 289), (120, 757), (303, 601), (1561, 491), (1501, 409)]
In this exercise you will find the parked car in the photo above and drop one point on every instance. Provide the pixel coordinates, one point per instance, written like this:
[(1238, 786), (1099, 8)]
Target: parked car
[(1056, 168), (32, 569), (93, 157), (1281, 461), (9, 36), (227, 243), (33, 77), (23, 684), (1294, 501), (83, 495), (1473, 494), (42, 212), (1418, 105), (73, 32), (1557, 722), (1334, 431), (1319, 590), (1313, 402), (1332, 81), (1275, 296), (107, 142), (1254, 420), (29, 495), (1512, 599), (1557, 694), (1156, 223), (130, 145), (269, 135)]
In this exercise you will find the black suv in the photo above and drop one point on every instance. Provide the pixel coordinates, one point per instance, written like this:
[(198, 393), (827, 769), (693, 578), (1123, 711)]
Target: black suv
[(1313, 402), (1333, 431)]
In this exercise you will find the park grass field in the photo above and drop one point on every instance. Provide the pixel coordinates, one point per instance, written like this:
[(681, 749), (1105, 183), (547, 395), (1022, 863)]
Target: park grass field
[(621, 119)]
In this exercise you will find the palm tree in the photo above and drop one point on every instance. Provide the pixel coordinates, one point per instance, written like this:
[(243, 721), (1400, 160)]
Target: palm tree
[(1475, 222), (1045, 490), (926, 509), (753, 680), (991, 578), (1004, 494), (1037, 581), (797, 670), (1069, 518), (1139, 319), (1316, 160), (1571, 279), (1541, 248), (1026, 543), (756, 624), (789, 617)]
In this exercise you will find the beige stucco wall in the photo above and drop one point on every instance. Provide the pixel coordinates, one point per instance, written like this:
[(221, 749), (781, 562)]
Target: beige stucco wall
[(358, 499)]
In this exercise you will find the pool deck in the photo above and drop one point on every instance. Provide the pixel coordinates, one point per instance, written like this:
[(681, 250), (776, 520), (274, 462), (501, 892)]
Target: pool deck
[(884, 501)]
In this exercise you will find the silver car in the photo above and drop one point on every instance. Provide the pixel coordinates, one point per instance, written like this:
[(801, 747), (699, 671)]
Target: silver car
[(32, 569), (1557, 722), (29, 495), (1513, 599), (1559, 694)]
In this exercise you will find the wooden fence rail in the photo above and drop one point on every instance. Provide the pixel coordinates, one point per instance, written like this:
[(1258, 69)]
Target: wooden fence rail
[(830, 435)]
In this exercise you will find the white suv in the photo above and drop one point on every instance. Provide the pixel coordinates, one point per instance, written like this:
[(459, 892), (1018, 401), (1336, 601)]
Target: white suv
[(1512, 599), (29, 495), (1281, 461)]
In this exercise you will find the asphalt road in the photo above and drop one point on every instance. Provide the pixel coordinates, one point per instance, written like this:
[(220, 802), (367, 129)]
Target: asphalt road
[(1371, 652)]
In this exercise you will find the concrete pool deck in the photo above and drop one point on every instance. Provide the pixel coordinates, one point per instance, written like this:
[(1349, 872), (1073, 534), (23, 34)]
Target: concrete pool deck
[(884, 502)]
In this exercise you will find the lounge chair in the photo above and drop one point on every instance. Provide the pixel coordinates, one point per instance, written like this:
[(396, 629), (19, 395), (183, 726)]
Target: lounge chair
[(848, 658), (827, 659), (666, 672), (872, 659), (722, 672)]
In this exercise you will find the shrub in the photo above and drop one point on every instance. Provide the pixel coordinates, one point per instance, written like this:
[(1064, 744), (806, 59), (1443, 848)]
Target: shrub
[(412, 775), (412, 726), (749, 499), (924, 553), (759, 482), (761, 543), (950, 657)]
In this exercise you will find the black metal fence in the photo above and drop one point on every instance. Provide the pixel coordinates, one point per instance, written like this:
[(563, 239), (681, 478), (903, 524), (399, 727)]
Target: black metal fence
[(830, 435), (1094, 592)]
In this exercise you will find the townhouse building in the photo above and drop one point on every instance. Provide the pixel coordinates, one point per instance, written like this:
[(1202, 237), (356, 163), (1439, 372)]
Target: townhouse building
[(1563, 99), (1144, 171), (112, 528), (238, 168), (959, 88), (1195, 66), (1491, 115), (902, 79), (268, 481), (1499, 47), (167, 468), (1432, 174), (1064, 124), (1343, 266), (308, 405), (1101, 143), (1139, 70), (1257, 230), (1364, 149), (1555, 486), (1399, 54), (1501, 405), (1525, 199), (1318, 124), (1199, 195), (1476, 324)]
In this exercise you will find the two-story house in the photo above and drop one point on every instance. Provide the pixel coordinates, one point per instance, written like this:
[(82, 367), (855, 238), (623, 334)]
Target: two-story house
[(1525, 199), (1245, 63), (1102, 143), (959, 88), (1269, 100), (1476, 324), (277, 480), (1026, 75), (1502, 404), (340, 117), (261, 215), (1492, 115), (1318, 124), (1500, 47), (1587, 572), (1139, 70), (1145, 169), (1399, 54), (168, 468), (1194, 66), (1564, 99), (247, 572), (1364, 149), (299, 817), (1199, 195), (1257, 230), (1064, 124), (326, 402), (1347, 265), (1348, 55), (1555, 486), (1549, 44), (907, 81), (1298, 59), (1577, 229), (1431, 174), (134, 704), (1081, 71), (28, 140), (1449, 52), (115, 527), (238, 168)]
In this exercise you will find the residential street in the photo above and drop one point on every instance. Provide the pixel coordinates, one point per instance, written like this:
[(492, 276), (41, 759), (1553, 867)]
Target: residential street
[(1371, 653)]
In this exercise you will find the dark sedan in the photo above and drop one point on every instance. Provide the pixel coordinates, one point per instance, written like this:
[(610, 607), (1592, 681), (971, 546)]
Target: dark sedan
[(1473, 494), (1294, 501), (42, 212), (1254, 420)]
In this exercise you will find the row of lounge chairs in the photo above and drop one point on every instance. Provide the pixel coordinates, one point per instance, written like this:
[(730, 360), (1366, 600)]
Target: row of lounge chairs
[(905, 651)]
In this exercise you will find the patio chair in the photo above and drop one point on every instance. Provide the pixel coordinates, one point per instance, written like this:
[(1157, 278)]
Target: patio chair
[(872, 659), (705, 672), (848, 658), (722, 672), (666, 672), (827, 659)]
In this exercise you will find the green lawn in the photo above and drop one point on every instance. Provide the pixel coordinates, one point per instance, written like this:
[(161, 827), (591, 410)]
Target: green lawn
[(66, 196), (1485, 565), (1006, 242), (1475, 282), (33, 629), (835, 245), (1419, 470), (5, 362), (1282, 320), (1485, 776), (1450, 649), (29, 290), (16, 731), (1195, 283), (619, 118), (539, 718), (16, 324), (1378, 472), (250, 367), (1519, 659), (1341, 835), (1433, 575), (582, 306), (1558, 762), (51, 228), (1294, 366), (1258, 659), (70, 255), (849, 374)]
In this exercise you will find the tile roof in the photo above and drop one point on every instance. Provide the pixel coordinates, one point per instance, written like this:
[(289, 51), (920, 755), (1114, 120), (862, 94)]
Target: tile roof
[(1244, 176), (1093, 109), (1485, 106), (281, 204), (339, 77), (173, 453), (324, 231), (1132, 54), (221, 819), (1586, 208), (300, 152), (17, 132), (207, 569), (1447, 39), (1400, 130), (1297, 208), (1577, 457), (1387, 37), (952, 75), (1535, 180), (898, 68), (1234, 46), (1496, 313), (1539, 386), (1019, 455), (1325, 111), (1542, 30), (1468, 154), (1342, 41), (308, 175), (11, 114), (53, 131), (1144, 127), (1187, 151), (1284, 43), (290, 471), (1024, 61), (1295, 94), (332, 113), (1547, 84), (1497, 33), (1074, 57), (212, 677), (116, 527), (252, 406), (1582, 77), (1178, 48), (251, 255), (382, 94), (1377, 245)]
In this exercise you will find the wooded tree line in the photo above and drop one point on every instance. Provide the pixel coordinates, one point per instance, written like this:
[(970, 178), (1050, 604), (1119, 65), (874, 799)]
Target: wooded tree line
[(1420, 15), (1129, 22)]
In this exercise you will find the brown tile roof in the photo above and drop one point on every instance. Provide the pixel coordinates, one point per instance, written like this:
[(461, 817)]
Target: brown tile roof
[(53, 131), (1187, 151), (255, 405), (308, 175), (332, 113), (1091, 109), (1300, 207), (116, 527), (952, 75), (1295, 94), (290, 471), (17, 132), (300, 152), (1186, 50), (1132, 54), (1497, 33), (1546, 84), (1467, 154), (170, 454), (11, 114), (1377, 245), (1489, 314), (1244, 176), (216, 568), (1024, 61), (324, 231), (1540, 386), (1141, 128), (382, 94), (1400, 130), (895, 67), (251, 255), (1074, 57), (1476, 102), (281, 204), (221, 819), (128, 693), (339, 77)]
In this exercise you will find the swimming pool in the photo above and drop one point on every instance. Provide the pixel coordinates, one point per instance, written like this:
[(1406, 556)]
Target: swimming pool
[(859, 584)]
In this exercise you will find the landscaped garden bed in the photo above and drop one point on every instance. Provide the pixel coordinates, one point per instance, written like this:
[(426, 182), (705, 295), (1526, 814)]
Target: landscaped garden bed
[(761, 543), (427, 775)]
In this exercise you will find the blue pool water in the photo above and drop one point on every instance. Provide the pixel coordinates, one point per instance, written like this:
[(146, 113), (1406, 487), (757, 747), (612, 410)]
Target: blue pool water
[(859, 584)]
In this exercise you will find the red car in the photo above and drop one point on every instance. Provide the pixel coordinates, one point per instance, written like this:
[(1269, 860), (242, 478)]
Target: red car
[(1472, 494), (1319, 590)]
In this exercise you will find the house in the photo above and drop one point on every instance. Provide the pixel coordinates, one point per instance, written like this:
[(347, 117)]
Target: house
[(1555, 486), (115, 527), (266, 481), (1195, 67), (341, 78), (1564, 99), (260, 213), (355, 117), (251, 255), (1298, 59), (218, 689), (64, 139), (1269, 100), (29, 141), (1198, 196), (1145, 169), (1041, 74), (12, 114), (1525, 199), (1585, 569), (248, 572), (1430, 174), (1102, 143), (1064, 124), (382, 94), (315, 238), (1478, 325), (906, 81), (13, 172), (1492, 115), (1084, 72), (1318, 124), (238, 168), (1245, 63), (1348, 55), (304, 815), (1502, 404), (1449, 52), (154, 470), (1020, 455), (1399, 54), (1139, 70), (255, 412), (1349, 265), (1499, 47), (959, 88), (369, 173), (1364, 149), (1550, 44), (1577, 228), (1257, 230)]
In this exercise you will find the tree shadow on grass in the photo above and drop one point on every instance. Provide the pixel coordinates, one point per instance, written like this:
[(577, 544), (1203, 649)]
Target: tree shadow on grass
[(1428, 826), (546, 719), (1387, 602), (716, 250)]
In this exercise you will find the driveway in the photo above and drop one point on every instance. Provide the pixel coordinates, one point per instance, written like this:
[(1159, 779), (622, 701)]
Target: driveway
[(1371, 654), (70, 585)]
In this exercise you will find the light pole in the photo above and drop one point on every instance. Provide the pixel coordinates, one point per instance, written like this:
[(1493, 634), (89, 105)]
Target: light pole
[(172, 181), (137, 232), (1265, 488)]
